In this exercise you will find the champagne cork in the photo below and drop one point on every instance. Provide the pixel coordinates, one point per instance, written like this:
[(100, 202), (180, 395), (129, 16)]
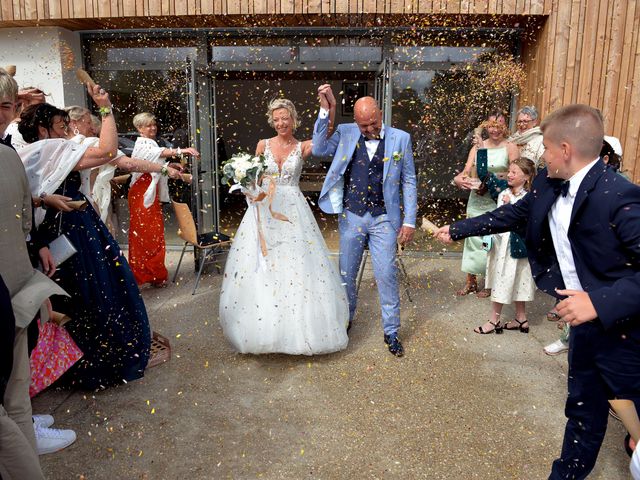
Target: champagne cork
[(428, 227), (79, 205), (59, 318), (11, 70), (84, 78)]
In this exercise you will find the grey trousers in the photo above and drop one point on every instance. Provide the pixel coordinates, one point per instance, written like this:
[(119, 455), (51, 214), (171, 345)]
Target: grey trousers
[(18, 457)]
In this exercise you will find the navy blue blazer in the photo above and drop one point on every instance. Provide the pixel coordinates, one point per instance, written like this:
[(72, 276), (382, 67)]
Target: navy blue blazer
[(604, 234)]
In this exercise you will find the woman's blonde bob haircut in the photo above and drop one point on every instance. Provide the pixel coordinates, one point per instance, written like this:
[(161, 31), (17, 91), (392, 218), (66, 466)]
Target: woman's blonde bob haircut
[(143, 119), (76, 113), (279, 103)]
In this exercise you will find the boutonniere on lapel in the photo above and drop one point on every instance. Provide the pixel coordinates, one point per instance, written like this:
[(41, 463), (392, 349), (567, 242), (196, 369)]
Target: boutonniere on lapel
[(396, 156)]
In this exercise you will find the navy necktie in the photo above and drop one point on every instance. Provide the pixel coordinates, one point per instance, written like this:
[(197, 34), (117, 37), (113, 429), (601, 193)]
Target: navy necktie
[(564, 188)]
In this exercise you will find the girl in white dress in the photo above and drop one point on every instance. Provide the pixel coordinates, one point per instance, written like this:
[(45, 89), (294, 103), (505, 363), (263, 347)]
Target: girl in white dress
[(292, 300), (510, 278)]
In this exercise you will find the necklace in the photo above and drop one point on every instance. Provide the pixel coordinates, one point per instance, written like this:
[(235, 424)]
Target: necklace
[(285, 144)]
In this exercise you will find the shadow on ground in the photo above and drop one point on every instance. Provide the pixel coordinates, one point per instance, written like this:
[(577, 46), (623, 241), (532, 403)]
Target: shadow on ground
[(457, 406)]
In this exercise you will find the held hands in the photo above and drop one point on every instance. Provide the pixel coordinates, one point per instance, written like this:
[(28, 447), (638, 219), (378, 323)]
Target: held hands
[(443, 235), (406, 235), (577, 308), (327, 100)]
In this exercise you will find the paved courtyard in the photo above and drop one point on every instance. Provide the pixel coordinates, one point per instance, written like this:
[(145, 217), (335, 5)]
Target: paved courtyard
[(457, 406)]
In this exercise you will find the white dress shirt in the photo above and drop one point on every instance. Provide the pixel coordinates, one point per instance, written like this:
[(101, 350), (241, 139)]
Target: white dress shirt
[(559, 219)]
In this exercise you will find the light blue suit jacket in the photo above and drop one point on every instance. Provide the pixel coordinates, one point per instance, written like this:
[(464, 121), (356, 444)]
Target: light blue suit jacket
[(399, 170)]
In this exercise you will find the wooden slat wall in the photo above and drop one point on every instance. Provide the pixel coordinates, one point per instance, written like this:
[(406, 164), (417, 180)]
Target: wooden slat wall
[(588, 52), (26, 10)]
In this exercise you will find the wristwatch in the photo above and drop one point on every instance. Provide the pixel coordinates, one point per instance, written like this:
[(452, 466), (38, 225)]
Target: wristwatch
[(42, 196), (164, 171)]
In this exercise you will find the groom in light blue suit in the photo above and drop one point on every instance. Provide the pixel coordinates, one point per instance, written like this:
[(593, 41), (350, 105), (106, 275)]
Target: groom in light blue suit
[(372, 164)]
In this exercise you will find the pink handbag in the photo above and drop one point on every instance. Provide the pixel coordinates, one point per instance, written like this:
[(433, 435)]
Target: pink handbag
[(55, 353)]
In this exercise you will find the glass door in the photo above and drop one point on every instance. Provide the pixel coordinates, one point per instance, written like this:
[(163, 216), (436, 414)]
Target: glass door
[(202, 135)]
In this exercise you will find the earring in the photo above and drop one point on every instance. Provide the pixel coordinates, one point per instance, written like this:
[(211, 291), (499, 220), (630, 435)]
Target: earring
[(76, 131)]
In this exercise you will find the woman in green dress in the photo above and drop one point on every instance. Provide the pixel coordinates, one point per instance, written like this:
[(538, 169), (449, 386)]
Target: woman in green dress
[(499, 153)]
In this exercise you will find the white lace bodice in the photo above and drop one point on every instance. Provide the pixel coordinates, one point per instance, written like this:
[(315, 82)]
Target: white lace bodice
[(291, 167)]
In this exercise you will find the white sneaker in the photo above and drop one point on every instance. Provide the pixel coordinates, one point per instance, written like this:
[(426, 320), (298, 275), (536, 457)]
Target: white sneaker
[(51, 440), (42, 420), (556, 348)]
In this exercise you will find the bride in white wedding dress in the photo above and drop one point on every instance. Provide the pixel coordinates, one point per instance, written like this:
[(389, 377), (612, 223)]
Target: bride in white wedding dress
[(292, 299)]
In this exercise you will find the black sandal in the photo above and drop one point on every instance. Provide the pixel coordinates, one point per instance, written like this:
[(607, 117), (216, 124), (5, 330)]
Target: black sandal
[(519, 327), (497, 328), (627, 445)]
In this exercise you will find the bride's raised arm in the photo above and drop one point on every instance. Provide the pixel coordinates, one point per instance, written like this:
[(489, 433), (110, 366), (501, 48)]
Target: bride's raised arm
[(260, 147), (308, 145)]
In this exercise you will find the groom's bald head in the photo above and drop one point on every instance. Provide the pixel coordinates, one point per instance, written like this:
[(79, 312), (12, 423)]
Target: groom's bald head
[(368, 117)]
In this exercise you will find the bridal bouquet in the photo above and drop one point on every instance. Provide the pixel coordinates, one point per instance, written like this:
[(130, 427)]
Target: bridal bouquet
[(244, 170)]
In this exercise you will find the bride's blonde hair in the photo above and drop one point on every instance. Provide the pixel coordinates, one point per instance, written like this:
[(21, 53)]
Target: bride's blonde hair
[(277, 104)]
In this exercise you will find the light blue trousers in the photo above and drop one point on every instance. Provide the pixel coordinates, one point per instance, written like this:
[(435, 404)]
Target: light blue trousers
[(355, 233)]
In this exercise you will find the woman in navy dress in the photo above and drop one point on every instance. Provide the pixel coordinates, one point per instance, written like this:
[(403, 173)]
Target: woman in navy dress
[(108, 317)]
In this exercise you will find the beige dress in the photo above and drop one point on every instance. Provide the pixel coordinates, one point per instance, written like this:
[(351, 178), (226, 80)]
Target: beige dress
[(509, 278)]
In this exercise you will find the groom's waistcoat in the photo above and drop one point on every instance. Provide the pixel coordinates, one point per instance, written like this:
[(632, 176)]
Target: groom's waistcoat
[(363, 181)]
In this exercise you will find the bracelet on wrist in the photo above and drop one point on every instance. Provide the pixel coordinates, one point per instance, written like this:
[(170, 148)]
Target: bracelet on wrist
[(164, 171), (105, 111), (178, 151)]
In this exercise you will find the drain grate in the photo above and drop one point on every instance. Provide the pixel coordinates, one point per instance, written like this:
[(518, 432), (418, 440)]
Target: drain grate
[(160, 350)]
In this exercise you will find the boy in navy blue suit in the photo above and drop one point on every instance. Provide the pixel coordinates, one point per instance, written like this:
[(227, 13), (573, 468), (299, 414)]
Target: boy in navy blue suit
[(581, 222)]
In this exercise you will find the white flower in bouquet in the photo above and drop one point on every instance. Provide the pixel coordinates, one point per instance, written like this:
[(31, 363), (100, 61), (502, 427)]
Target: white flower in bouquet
[(243, 170), (240, 174)]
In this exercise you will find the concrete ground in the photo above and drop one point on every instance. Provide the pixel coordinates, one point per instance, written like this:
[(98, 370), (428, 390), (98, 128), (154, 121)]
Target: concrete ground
[(457, 406)]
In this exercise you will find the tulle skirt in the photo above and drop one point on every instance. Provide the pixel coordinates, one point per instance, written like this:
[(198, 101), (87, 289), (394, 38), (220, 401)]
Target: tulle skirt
[(292, 300)]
